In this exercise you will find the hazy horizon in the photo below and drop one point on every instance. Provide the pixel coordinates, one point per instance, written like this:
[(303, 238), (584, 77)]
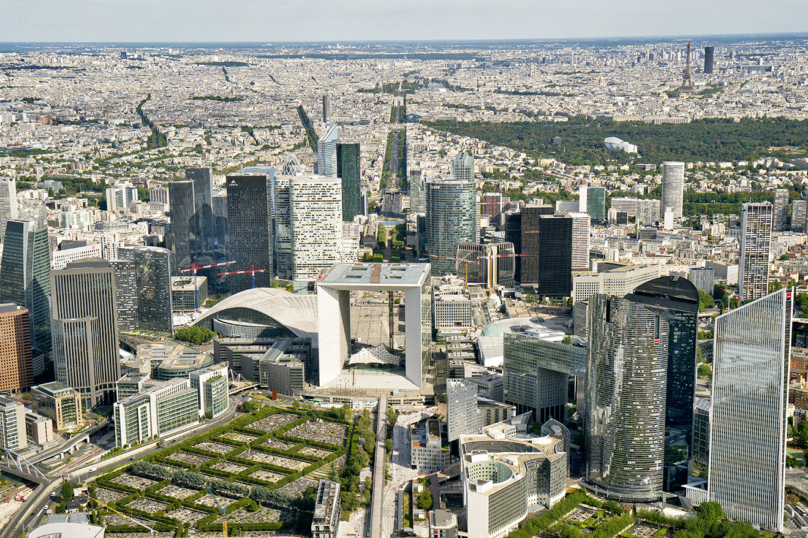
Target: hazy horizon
[(323, 21)]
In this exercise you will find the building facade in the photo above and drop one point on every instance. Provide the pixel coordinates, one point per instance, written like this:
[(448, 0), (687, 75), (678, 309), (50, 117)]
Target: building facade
[(749, 408), (555, 252), (327, 152), (596, 203), (249, 229), (450, 220), (315, 204), (462, 415), (780, 210), (8, 204), (327, 511), (59, 403), (756, 236), (152, 286), (799, 215), (673, 187), (16, 367), (349, 170), (13, 435), (528, 264), (85, 330)]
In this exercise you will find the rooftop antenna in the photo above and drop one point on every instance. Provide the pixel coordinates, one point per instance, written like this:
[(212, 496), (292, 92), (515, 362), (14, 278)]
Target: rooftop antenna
[(687, 80)]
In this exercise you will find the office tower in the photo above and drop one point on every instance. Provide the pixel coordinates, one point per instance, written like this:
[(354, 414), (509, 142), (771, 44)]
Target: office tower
[(799, 215), (125, 294), (315, 204), (709, 54), (749, 408), (583, 203), (491, 264), (646, 211), (13, 435), (580, 241), (16, 368), (673, 185), (120, 196), (326, 517), (85, 330), (249, 225), (181, 237), (513, 234), (283, 228), (327, 152), (566, 206), (220, 220), (462, 415), (158, 195), (625, 388), (204, 222), (529, 263), (596, 203), (152, 286), (326, 108), (450, 220), (8, 204), (756, 236), (348, 159), (780, 210), (417, 193), (703, 278), (491, 207), (555, 254), (24, 277), (677, 299), (463, 167)]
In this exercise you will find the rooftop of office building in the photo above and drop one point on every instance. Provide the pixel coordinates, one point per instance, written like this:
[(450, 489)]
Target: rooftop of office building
[(327, 497), (54, 388), (545, 329), (376, 275)]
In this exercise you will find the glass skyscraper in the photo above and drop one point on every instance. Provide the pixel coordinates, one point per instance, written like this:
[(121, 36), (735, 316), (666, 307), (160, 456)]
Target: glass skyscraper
[(193, 233), (348, 169), (555, 255), (8, 204), (24, 276), (749, 406), (327, 152), (249, 222), (182, 237), (625, 388), (153, 287), (204, 221), (596, 203), (528, 220), (450, 220)]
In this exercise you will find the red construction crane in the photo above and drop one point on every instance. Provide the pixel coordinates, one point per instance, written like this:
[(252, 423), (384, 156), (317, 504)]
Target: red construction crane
[(251, 270), (193, 268)]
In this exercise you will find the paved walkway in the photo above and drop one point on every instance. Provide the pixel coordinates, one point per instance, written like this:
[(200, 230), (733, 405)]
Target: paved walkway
[(377, 499)]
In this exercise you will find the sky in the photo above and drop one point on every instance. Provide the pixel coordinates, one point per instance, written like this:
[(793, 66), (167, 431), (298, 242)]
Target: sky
[(268, 21)]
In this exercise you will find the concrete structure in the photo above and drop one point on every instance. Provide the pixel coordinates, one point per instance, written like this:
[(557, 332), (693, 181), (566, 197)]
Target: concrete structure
[(428, 450), (493, 412), (645, 211), (326, 510), (120, 196), (67, 530), (249, 229), (327, 152), (799, 216), (612, 279), (188, 293), (450, 220), (326, 112), (442, 524), (452, 308), (283, 366), (8, 204), (164, 407), (38, 429), (126, 294), (724, 271), (756, 236), (333, 304), (16, 367), (85, 330), (13, 434), (703, 278), (153, 288), (508, 471), (673, 186), (489, 386), (780, 210), (59, 403), (462, 415), (24, 277), (463, 167), (492, 264), (580, 241), (749, 409)]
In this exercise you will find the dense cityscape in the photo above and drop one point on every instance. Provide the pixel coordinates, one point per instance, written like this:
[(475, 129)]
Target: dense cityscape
[(522, 289)]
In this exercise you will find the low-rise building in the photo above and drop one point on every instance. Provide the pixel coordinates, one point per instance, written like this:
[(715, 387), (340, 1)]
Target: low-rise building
[(428, 450), (188, 293), (442, 524), (212, 386), (164, 407), (59, 403), (489, 386), (493, 412), (507, 472), (38, 429), (326, 510), (12, 425)]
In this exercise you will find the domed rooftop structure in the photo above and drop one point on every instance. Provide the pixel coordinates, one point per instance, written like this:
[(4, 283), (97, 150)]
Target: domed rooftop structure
[(264, 312), (495, 329)]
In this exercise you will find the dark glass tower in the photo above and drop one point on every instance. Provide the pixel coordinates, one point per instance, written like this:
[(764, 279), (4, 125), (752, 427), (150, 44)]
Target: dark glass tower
[(25, 276), (153, 287), (555, 255), (709, 54), (596, 203), (529, 271), (450, 220), (182, 236), (348, 168), (513, 234), (204, 221), (249, 222), (625, 388)]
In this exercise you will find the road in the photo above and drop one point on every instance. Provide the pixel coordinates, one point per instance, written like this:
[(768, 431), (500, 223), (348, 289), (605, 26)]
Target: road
[(377, 498)]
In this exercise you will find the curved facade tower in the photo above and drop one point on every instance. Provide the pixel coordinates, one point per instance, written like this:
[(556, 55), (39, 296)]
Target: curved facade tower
[(625, 389)]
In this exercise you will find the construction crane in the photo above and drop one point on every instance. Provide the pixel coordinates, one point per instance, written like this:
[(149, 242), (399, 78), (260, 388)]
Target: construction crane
[(108, 507), (251, 270), (193, 268), (222, 511)]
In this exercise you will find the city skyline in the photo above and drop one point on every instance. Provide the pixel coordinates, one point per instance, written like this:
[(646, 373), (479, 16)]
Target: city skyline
[(181, 20)]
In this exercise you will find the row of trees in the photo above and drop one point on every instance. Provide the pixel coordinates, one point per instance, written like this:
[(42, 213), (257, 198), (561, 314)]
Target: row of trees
[(195, 335)]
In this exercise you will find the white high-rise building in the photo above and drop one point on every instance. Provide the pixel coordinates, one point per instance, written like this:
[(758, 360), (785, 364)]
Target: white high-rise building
[(327, 152), (582, 199), (120, 196), (463, 417), (8, 205), (315, 204), (780, 210), (580, 241), (749, 407), (463, 167), (756, 237), (673, 185)]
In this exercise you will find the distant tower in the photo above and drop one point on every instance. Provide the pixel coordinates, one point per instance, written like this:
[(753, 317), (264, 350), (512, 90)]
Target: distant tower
[(709, 53), (673, 184), (687, 81), (756, 236), (326, 108)]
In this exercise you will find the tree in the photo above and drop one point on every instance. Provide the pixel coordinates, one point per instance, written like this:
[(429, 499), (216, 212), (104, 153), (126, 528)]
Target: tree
[(705, 301), (784, 258), (295, 404), (530, 299), (67, 491), (425, 500), (710, 511), (705, 371), (195, 335), (774, 285)]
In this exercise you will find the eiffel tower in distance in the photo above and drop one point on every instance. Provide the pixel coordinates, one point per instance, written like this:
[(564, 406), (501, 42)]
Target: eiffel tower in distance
[(687, 81)]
